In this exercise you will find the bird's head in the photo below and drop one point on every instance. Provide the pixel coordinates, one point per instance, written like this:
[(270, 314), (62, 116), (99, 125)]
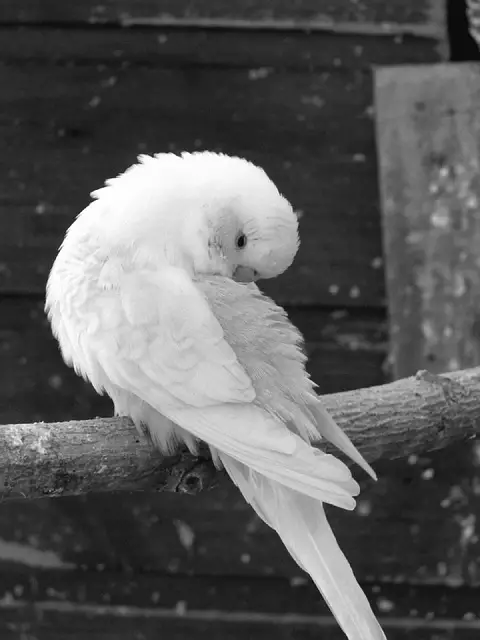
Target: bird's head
[(210, 213), (244, 228)]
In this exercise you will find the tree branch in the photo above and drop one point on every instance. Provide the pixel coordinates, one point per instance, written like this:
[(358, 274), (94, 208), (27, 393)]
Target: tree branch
[(412, 415)]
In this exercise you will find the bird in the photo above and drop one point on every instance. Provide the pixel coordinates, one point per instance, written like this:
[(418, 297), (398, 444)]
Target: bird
[(153, 299)]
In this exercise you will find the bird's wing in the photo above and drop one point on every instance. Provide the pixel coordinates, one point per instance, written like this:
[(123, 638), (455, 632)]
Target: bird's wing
[(168, 348), (167, 338)]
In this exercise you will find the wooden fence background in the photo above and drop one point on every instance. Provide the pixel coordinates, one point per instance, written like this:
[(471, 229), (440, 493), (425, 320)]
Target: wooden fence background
[(84, 87)]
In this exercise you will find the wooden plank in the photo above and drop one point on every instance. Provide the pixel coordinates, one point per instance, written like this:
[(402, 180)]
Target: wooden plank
[(424, 16), (270, 598), (428, 126), (77, 623), (140, 608), (56, 613), (224, 48), (346, 351), (306, 120)]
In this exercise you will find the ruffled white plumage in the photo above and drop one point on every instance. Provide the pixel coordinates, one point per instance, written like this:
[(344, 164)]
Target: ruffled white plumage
[(207, 358), (173, 352)]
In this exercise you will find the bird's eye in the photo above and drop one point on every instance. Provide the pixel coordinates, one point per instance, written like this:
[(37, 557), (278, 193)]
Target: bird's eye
[(241, 241)]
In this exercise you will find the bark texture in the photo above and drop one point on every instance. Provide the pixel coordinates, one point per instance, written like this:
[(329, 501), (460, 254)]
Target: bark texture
[(412, 415)]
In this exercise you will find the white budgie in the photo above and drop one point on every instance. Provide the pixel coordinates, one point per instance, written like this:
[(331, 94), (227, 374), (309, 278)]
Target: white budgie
[(145, 302)]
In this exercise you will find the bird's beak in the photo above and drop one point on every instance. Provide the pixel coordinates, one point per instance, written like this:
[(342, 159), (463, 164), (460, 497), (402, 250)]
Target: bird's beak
[(245, 274)]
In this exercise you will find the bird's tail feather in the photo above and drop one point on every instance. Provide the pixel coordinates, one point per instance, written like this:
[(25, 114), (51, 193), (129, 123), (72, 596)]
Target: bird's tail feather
[(301, 523), (330, 430)]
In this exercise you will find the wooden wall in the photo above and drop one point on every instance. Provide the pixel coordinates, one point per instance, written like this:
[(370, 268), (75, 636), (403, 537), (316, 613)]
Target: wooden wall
[(84, 88)]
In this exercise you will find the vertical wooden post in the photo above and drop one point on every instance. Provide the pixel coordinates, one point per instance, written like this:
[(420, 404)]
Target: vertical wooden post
[(428, 138)]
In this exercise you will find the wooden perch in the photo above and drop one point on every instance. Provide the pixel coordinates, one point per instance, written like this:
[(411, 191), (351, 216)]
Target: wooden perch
[(409, 416)]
